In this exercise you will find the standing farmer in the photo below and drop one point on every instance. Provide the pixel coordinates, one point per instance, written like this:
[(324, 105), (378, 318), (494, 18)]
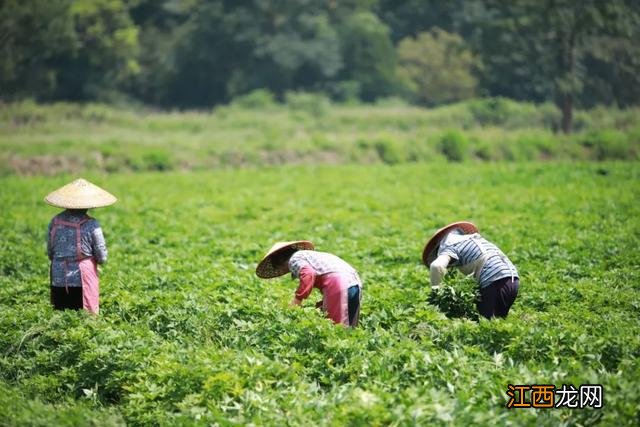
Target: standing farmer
[(459, 245), (75, 245), (339, 283)]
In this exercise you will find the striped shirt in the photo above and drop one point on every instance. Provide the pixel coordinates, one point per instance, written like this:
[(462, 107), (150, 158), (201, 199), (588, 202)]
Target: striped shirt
[(470, 249), (321, 262)]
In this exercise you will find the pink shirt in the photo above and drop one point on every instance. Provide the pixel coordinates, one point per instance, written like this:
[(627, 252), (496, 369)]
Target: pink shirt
[(333, 286)]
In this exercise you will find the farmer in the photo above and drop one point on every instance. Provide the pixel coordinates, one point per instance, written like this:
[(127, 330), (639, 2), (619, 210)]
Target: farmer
[(459, 245), (339, 283), (75, 245)]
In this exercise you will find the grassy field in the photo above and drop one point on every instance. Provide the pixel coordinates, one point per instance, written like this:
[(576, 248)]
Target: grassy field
[(188, 335), (66, 138)]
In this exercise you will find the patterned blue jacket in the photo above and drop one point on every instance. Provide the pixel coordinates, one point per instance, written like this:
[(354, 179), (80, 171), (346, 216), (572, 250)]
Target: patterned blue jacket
[(72, 237)]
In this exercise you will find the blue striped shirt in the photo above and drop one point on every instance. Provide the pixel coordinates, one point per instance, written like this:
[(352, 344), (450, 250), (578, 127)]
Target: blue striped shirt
[(497, 266)]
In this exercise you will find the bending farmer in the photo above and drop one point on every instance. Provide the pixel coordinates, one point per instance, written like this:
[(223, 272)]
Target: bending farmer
[(459, 245), (339, 283)]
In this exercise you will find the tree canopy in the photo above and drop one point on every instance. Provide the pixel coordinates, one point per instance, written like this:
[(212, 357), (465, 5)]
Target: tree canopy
[(437, 67), (199, 53)]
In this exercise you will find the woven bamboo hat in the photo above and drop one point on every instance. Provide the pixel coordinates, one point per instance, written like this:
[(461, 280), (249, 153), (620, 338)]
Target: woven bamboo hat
[(431, 248), (80, 194), (267, 270)]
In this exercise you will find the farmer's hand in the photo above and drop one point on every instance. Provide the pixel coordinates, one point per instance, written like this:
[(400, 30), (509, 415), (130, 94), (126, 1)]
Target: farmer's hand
[(294, 302)]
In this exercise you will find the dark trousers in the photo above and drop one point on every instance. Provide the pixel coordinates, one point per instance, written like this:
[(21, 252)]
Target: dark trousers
[(353, 298), (497, 298), (63, 300)]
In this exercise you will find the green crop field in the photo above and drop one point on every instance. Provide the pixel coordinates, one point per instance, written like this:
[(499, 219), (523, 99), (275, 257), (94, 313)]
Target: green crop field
[(188, 334)]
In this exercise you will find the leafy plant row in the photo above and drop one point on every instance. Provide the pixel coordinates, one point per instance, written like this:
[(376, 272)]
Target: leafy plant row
[(188, 335)]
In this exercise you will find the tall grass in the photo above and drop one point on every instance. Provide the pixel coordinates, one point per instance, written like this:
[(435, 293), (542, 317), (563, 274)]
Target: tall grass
[(257, 130)]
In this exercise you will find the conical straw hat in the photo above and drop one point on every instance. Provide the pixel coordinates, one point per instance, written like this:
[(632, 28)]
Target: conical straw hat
[(267, 270), (430, 249), (80, 194)]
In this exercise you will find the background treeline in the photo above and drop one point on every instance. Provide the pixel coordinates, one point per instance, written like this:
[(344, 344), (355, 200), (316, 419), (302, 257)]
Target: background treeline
[(199, 53)]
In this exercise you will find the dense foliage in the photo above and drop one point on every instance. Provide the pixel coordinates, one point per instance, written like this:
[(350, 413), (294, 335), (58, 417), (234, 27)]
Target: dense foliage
[(201, 53), (437, 68), (188, 335)]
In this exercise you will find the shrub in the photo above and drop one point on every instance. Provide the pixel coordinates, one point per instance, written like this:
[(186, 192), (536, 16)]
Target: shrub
[(549, 116), (493, 111), (507, 150), (389, 151), (582, 121), (346, 91), (484, 150), (255, 100), (437, 67), (158, 161), (608, 144), (529, 146), (311, 103), (545, 145), (391, 101), (420, 151), (511, 114), (454, 145)]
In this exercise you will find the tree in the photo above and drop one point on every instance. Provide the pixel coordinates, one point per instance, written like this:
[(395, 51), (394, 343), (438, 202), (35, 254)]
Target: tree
[(191, 61), (408, 18), (105, 54), (543, 44), (437, 67), (214, 50), (368, 55), (612, 65), (65, 49), (32, 34)]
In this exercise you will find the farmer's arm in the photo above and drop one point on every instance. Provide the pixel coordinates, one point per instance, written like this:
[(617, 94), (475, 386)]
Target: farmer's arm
[(99, 245), (49, 242), (438, 269), (307, 279)]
